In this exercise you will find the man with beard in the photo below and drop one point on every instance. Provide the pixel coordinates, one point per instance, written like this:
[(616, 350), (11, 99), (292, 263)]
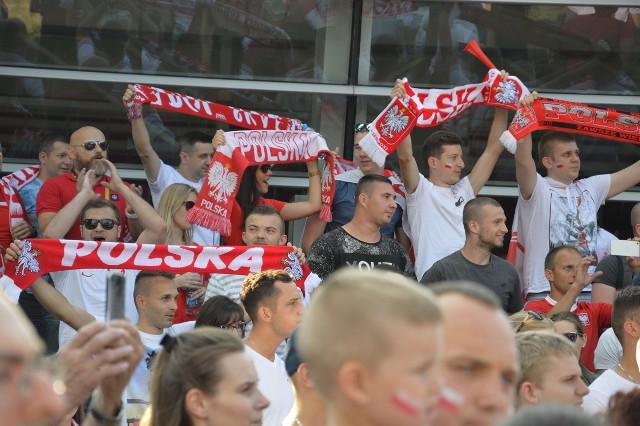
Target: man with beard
[(359, 243), (485, 227), (87, 149)]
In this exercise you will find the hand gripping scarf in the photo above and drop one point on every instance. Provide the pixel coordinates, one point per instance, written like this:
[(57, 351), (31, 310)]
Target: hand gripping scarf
[(246, 148), (62, 255), (571, 117), (428, 108), (10, 185)]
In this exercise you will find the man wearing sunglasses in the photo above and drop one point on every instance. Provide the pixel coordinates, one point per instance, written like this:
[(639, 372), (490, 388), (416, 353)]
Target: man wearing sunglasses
[(87, 150), (196, 150), (566, 271), (100, 221)]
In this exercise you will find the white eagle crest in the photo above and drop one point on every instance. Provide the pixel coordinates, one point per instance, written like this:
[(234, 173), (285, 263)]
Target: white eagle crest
[(222, 182), (394, 121), (507, 92), (27, 260), (293, 266), (521, 119)]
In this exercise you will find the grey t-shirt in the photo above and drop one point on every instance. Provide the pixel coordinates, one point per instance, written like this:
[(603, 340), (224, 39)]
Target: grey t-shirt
[(498, 275), (610, 267)]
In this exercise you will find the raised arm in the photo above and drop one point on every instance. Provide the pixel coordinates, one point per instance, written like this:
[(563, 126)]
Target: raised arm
[(408, 165), (155, 230), (300, 209), (150, 160), (56, 225), (484, 166), (313, 228), (526, 173), (624, 179), (583, 279)]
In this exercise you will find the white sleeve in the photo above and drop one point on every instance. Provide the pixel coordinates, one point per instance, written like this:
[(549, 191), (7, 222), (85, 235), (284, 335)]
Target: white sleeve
[(608, 352)]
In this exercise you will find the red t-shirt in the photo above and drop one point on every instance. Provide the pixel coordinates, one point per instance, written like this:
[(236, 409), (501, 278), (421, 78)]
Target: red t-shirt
[(57, 192), (594, 316), (235, 239)]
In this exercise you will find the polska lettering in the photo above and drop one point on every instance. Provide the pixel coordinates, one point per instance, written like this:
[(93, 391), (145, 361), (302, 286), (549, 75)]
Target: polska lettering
[(274, 147)]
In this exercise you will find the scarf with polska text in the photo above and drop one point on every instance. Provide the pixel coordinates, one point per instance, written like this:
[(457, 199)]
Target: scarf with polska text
[(62, 255), (255, 147), (563, 116), (247, 119), (432, 107)]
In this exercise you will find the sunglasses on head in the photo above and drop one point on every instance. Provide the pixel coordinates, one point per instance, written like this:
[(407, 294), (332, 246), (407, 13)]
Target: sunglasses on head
[(572, 336), (360, 127), (106, 224), (91, 145), (530, 314), (189, 205), (265, 168)]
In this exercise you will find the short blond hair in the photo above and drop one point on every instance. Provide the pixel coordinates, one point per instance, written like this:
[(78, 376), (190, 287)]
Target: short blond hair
[(534, 347), (524, 321), (349, 320)]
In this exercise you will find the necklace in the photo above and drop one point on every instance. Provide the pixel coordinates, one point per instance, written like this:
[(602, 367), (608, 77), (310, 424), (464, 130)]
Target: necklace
[(628, 375), (255, 347)]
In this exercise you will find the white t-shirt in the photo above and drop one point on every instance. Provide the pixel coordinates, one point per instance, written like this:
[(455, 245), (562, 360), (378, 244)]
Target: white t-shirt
[(433, 221), (167, 175), (607, 384), (608, 352), (87, 289), (137, 393), (556, 215), (274, 384)]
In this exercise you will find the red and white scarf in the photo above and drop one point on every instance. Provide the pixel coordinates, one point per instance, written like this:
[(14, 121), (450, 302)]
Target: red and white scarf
[(11, 184), (563, 116), (247, 119), (62, 255), (246, 148)]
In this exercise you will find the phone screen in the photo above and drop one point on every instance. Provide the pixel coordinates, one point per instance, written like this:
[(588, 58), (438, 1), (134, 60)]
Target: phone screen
[(115, 296)]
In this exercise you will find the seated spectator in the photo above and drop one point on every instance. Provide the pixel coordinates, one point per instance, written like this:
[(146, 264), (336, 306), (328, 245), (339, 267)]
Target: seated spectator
[(625, 375), (360, 243), (566, 271), (196, 380), (368, 380), (485, 226), (549, 371), (569, 325)]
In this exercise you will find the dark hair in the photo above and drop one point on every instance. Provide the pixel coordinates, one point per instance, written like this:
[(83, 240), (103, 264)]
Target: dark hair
[(140, 285), (267, 210), (433, 145), (217, 311), (550, 258), (545, 146), (189, 139), (248, 193), (571, 317), (366, 182), (100, 203), (550, 414), (259, 289), (192, 362), (473, 210), (624, 408), (470, 290), (48, 138), (626, 305)]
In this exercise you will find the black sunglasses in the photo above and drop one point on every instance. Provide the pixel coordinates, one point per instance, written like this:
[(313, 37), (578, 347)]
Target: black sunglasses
[(91, 145), (265, 168), (189, 205), (106, 224), (360, 127), (572, 336)]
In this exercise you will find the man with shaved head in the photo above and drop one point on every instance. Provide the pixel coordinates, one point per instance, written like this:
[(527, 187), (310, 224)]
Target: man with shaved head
[(484, 227), (87, 150)]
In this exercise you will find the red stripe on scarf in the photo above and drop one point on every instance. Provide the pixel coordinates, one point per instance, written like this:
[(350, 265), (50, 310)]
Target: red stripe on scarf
[(75, 254)]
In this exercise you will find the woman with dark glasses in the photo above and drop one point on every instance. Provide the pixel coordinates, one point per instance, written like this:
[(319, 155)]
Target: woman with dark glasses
[(253, 187), (569, 325), (176, 200)]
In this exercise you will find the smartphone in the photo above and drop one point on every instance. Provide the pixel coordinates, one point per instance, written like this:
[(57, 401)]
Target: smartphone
[(115, 296), (625, 248)]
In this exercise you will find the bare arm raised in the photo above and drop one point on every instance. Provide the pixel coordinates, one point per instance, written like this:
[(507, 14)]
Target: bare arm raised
[(526, 173), (408, 165)]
